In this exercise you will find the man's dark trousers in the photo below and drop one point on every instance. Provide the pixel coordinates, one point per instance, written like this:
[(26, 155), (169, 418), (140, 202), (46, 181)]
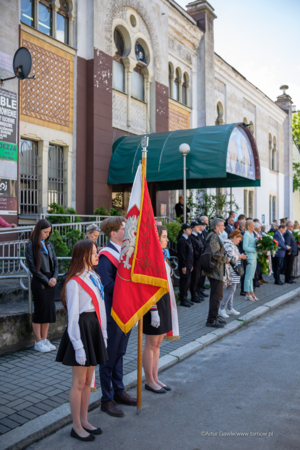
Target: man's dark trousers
[(289, 267), (277, 266), (112, 370), (195, 277), (242, 280), (216, 295), (184, 283)]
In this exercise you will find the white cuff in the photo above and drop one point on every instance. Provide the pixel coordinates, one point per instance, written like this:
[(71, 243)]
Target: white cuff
[(77, 345), (104, 333)]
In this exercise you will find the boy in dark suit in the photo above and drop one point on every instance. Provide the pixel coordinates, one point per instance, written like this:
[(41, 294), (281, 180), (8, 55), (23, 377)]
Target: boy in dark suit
[(290, 255), (111, 373), (281, 252)]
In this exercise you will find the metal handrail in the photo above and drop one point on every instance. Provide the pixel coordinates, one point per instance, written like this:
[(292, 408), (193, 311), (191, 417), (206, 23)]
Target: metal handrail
[(28, 275)]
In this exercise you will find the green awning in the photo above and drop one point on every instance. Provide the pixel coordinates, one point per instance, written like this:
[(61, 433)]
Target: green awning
[(220, 156)]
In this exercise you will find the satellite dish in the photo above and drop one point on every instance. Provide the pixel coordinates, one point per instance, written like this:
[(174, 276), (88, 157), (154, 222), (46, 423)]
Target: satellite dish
[(22, 63)]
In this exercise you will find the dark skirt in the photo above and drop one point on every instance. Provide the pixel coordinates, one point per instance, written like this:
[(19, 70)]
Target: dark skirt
[(44, 301), (92, 339), (164, 311)]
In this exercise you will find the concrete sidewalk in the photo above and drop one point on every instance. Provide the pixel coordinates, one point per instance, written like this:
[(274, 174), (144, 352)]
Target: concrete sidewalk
[(35, 389)]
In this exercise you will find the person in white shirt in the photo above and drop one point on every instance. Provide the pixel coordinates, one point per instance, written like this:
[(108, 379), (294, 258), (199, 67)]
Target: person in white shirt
[(84, 341)]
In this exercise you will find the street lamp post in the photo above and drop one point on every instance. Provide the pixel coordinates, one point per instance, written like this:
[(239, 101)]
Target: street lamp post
[(184, 150)]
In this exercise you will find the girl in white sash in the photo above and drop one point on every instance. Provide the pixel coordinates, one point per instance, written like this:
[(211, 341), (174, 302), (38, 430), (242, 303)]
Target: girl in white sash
[(83, 344), (160, 321)]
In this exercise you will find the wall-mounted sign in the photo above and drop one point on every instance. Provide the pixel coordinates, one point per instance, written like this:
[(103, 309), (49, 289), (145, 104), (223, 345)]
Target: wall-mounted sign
[(8, 205), (8, 116), (8, 188), (240, 160), (8, 151), (163, 209)]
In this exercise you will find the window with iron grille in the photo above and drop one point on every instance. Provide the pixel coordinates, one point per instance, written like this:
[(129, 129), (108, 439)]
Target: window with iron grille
[(56, 169), (29, 198)]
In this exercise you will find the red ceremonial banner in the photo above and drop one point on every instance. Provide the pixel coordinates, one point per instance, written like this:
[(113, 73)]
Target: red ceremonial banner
[(141, 278)]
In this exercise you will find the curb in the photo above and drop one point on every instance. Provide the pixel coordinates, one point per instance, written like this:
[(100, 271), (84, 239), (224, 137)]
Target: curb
[(39, 428)]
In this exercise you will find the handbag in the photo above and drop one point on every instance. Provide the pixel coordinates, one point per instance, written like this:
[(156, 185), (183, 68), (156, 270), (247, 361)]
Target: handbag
[(239, 270)]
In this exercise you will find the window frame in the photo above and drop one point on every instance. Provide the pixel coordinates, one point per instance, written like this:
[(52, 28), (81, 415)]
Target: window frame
[(29, 179), (59, 180)]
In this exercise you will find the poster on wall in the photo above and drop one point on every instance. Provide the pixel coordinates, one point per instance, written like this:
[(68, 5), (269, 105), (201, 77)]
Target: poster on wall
[(8, 116), (8, 152)]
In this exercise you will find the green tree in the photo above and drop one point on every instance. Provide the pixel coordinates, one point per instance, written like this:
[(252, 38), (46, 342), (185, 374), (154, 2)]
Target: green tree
[(296, 176), (213, 205), (296, 129)]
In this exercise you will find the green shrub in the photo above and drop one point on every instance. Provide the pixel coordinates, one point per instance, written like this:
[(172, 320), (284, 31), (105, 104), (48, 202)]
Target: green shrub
[(114, 212), (54, 208), (59, 244), (173, 229)]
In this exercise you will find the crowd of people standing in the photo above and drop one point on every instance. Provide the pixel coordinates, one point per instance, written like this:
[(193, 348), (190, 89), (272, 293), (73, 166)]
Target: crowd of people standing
[(228, 256)]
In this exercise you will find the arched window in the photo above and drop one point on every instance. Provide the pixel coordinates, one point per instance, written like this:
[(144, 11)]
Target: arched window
[(245, 121), (62, 24), (176, 86), (137, 84), (274, 155), (185, 89), (118, 67), (27, 12), (270, 151), (45, 18), (170, 80)]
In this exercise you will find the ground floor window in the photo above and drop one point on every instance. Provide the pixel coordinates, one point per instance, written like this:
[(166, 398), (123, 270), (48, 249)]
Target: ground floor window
[(272, 208), (249, 203), (56, 179), (29, 195)]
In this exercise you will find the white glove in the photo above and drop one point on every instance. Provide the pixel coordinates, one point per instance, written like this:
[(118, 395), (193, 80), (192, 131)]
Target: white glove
[(80, 356), (155, 319), (105, 342)]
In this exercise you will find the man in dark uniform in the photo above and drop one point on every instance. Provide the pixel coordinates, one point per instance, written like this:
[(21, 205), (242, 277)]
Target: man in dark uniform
[(291, 253), (203, 233), (185, 263), (111, 373), (197, 243), (179, 209)]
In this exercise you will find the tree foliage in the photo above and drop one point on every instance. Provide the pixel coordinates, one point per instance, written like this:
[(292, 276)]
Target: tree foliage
[(211, 205), (296, 176), (296, 129)]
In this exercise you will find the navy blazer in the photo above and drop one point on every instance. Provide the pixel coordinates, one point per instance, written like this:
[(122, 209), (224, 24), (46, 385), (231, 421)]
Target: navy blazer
[(291, 241), (108, 273), (281, 242)]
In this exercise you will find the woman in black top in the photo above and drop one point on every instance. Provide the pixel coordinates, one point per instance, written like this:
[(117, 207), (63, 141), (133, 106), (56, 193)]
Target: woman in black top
[(43, 265)]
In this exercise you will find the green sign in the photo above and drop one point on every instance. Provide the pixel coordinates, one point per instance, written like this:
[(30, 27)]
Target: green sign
[(8, 151)]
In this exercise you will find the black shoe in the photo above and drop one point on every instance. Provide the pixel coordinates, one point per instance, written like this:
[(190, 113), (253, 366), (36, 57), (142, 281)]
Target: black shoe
[(166, 388), (160, 391), (279, 282), (243, 293), (256, 285), (204, 295), (215, 324), (185, 303), (189, 301), (291, 282), (96, 432), (90, 437), (196, 300), (221, 320)]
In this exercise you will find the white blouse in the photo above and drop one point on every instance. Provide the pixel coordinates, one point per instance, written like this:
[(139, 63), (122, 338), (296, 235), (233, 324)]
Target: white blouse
[(78, 301)]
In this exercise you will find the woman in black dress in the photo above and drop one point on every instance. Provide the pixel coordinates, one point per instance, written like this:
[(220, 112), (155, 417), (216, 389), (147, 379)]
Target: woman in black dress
[(43, 265), (156, 323), (84, 341)]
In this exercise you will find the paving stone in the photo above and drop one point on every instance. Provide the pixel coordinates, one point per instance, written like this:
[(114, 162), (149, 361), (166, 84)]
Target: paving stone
[(16, 402), (3, 429), (6, 410), (43, 407), (35, 410), (51, 403), (27, 414), (22, 406), (9, 423), (19, 419)]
